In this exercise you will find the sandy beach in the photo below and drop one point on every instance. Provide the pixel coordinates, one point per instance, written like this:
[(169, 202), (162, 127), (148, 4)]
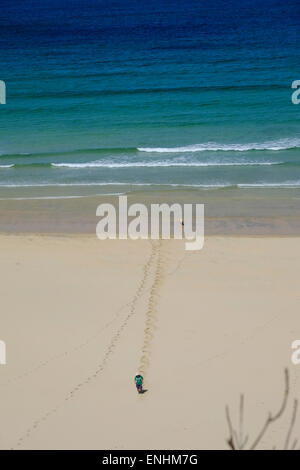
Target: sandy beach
[(80, 317)]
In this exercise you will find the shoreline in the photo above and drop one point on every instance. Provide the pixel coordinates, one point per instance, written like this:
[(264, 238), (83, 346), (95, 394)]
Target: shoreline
[(259, 213), (91, 236)]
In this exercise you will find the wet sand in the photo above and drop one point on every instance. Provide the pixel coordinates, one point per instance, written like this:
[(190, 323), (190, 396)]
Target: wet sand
[(227, 212)]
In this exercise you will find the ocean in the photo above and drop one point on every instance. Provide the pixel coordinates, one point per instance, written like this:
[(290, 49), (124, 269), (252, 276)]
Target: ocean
[(106, 97)]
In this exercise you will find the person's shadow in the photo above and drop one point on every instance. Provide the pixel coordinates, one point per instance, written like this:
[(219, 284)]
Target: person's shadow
[(143, 391)]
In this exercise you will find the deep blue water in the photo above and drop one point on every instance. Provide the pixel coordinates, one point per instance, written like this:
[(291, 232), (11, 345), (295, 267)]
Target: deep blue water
[(192, 93)]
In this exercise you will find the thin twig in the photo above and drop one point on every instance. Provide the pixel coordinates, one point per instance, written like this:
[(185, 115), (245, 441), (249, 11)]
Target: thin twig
[(236, 440), (294, 444), (241, 422), (288, 436), (245, 442), (270, 419), (230, 441)]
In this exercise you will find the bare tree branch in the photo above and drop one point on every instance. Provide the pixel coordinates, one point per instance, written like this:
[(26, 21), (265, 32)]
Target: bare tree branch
[(270, 419), (294, 444), (245, 442), (241, 422), (237, 441), (230, 440), (289, 433)]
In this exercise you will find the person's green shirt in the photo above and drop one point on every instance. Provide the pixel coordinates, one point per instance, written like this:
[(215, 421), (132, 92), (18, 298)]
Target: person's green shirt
[(138, 379)]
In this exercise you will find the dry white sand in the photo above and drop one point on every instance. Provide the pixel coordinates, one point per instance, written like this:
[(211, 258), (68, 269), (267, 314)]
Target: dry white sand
[(80, 317)]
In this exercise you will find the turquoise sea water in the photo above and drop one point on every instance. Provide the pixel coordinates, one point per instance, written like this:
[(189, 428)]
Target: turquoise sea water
[(125, 94)]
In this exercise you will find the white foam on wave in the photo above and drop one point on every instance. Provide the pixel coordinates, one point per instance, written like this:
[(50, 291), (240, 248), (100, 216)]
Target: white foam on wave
[(158, 164), (7, 166), (58, 197), (282, 144), (288, 184), (46, 185), (50, 185)]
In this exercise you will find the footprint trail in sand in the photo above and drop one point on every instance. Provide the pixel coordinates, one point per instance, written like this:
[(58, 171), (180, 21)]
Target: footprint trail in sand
[(152, 307), (147, 270)]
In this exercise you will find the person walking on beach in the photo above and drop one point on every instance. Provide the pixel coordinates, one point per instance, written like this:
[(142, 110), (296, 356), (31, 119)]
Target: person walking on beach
[(139, 382)]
